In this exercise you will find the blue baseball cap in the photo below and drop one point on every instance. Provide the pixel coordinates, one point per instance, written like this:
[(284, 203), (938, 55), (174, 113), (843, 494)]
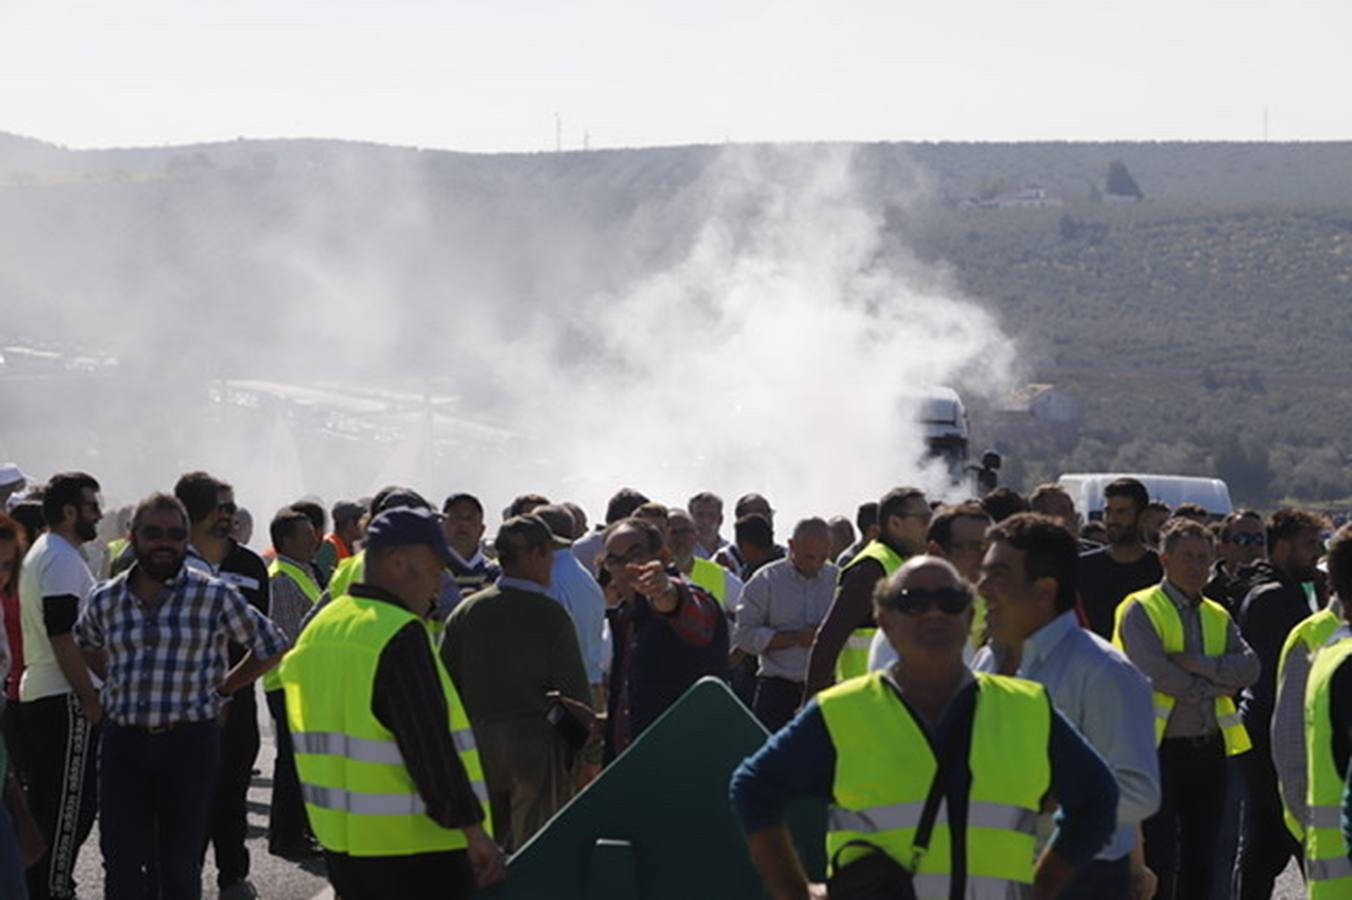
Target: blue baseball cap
[(406, 526)]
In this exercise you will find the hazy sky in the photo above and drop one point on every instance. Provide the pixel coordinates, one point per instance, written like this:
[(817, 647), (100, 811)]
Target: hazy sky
[(489, 75)]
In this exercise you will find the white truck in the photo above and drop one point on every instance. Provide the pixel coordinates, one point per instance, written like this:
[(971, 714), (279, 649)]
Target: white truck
[(942, 418), (1086, 489)]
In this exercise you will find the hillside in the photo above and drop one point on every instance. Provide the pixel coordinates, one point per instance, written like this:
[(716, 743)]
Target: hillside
[(1202, 330)]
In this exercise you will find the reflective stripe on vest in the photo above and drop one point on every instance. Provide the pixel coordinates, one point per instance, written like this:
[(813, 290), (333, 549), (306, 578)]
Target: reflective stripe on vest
[(1168, 624), (1309, 635), (1326, 863), (884, 766), (359, 794), (712, 577), (279, 568), (853, 659)]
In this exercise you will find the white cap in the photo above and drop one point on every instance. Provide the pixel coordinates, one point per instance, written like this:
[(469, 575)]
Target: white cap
[(10, 473)]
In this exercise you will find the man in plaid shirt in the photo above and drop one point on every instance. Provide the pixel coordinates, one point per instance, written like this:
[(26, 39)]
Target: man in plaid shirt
[(158, 634)]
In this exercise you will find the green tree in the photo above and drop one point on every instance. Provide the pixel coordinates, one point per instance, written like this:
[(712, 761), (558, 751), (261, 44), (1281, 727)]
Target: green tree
[(1120, 183)]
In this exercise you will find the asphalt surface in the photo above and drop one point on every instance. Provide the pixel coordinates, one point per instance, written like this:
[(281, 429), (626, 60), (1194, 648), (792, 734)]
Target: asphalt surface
[(278, 879), (273, 878)]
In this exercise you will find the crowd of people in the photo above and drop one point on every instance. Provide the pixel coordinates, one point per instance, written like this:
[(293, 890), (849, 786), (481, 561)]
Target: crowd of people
[(994, 698)]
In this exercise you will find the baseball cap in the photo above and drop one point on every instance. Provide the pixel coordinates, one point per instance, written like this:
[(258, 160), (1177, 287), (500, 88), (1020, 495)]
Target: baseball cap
[(559, 521), (10, 473), (522, 532), (401, 498), (405, 527)]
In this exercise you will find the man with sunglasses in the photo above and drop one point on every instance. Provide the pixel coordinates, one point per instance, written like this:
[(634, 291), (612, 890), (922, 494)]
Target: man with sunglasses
[(841, 647), (59, 703), (667, 632), (868, 747), (212, 550), (157, 632), (1243, 544), (957, 534), (1028, 578)]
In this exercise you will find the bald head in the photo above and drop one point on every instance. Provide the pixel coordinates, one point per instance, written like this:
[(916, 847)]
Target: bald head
[(910, 610), (810, 546), (927, 572)]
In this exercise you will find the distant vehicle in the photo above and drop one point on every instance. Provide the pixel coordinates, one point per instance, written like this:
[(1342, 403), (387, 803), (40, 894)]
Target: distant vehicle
[(1087, 491), (943, 420)]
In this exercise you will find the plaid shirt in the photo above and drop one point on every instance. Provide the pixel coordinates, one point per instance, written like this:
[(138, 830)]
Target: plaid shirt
[(166, 661)]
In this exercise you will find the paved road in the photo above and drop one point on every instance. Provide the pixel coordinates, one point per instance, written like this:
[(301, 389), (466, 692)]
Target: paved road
[(275, 879)]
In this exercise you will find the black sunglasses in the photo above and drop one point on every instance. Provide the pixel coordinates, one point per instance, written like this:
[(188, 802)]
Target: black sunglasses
[(156, 533), (918, 601)]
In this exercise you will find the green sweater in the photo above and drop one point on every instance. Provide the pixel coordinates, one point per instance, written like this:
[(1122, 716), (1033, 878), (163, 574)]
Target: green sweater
[(506, 647)]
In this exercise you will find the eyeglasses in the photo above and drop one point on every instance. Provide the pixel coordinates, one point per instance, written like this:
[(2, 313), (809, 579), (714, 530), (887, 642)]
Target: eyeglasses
[(1248, 540), (918, 601), (634, 555), (158, 533), (967, 547)]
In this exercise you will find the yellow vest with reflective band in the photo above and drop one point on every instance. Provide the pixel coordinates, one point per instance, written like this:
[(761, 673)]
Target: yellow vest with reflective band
[(853, 659), (272, 679), (713, 578), (884, 767), (1169, 626), (1326, 864), (348, 573), (1307, 637), (352, 570), (359, 795)]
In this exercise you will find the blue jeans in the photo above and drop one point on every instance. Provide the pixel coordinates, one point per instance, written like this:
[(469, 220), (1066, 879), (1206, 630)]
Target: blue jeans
[(154, 803), (12, 881)]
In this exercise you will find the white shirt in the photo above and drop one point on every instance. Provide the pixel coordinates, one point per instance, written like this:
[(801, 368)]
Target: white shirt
[(52, 568)]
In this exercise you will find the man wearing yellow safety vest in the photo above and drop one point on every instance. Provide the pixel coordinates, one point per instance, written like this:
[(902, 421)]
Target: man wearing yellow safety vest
[(841, 647), (1196, 661), (717, 581), (1288, 712), (883, 747), (1328, 745), (293, 591), (957, 534), (385, 753)]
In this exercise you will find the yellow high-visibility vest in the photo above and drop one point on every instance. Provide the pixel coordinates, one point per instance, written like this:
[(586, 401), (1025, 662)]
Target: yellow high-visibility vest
[(1326, 864), (853, 659), (359, 794), (1168, 625), (278, 568), (885, 764)]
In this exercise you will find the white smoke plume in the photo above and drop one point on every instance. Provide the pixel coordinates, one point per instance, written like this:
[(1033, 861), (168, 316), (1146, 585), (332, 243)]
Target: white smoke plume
[(756, 327)]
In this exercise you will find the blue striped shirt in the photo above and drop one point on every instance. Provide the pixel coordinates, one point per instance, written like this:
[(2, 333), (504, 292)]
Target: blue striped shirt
[(166, 660)]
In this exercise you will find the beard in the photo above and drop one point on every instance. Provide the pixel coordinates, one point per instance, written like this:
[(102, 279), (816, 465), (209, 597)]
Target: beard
[(159, 565), (86, 530)]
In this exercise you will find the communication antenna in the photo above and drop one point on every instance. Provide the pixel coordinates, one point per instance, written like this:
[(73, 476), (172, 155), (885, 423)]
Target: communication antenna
[(558, 134), (586, 140)]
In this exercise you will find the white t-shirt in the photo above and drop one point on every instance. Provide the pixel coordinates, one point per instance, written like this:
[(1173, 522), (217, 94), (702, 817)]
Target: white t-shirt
[(52, 568)]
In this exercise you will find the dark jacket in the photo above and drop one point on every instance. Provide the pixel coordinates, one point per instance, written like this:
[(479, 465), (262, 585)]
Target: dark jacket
[(1274, 605)]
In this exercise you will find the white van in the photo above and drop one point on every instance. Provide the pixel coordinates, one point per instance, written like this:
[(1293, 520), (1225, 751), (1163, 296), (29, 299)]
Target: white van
[(1087, 491)]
